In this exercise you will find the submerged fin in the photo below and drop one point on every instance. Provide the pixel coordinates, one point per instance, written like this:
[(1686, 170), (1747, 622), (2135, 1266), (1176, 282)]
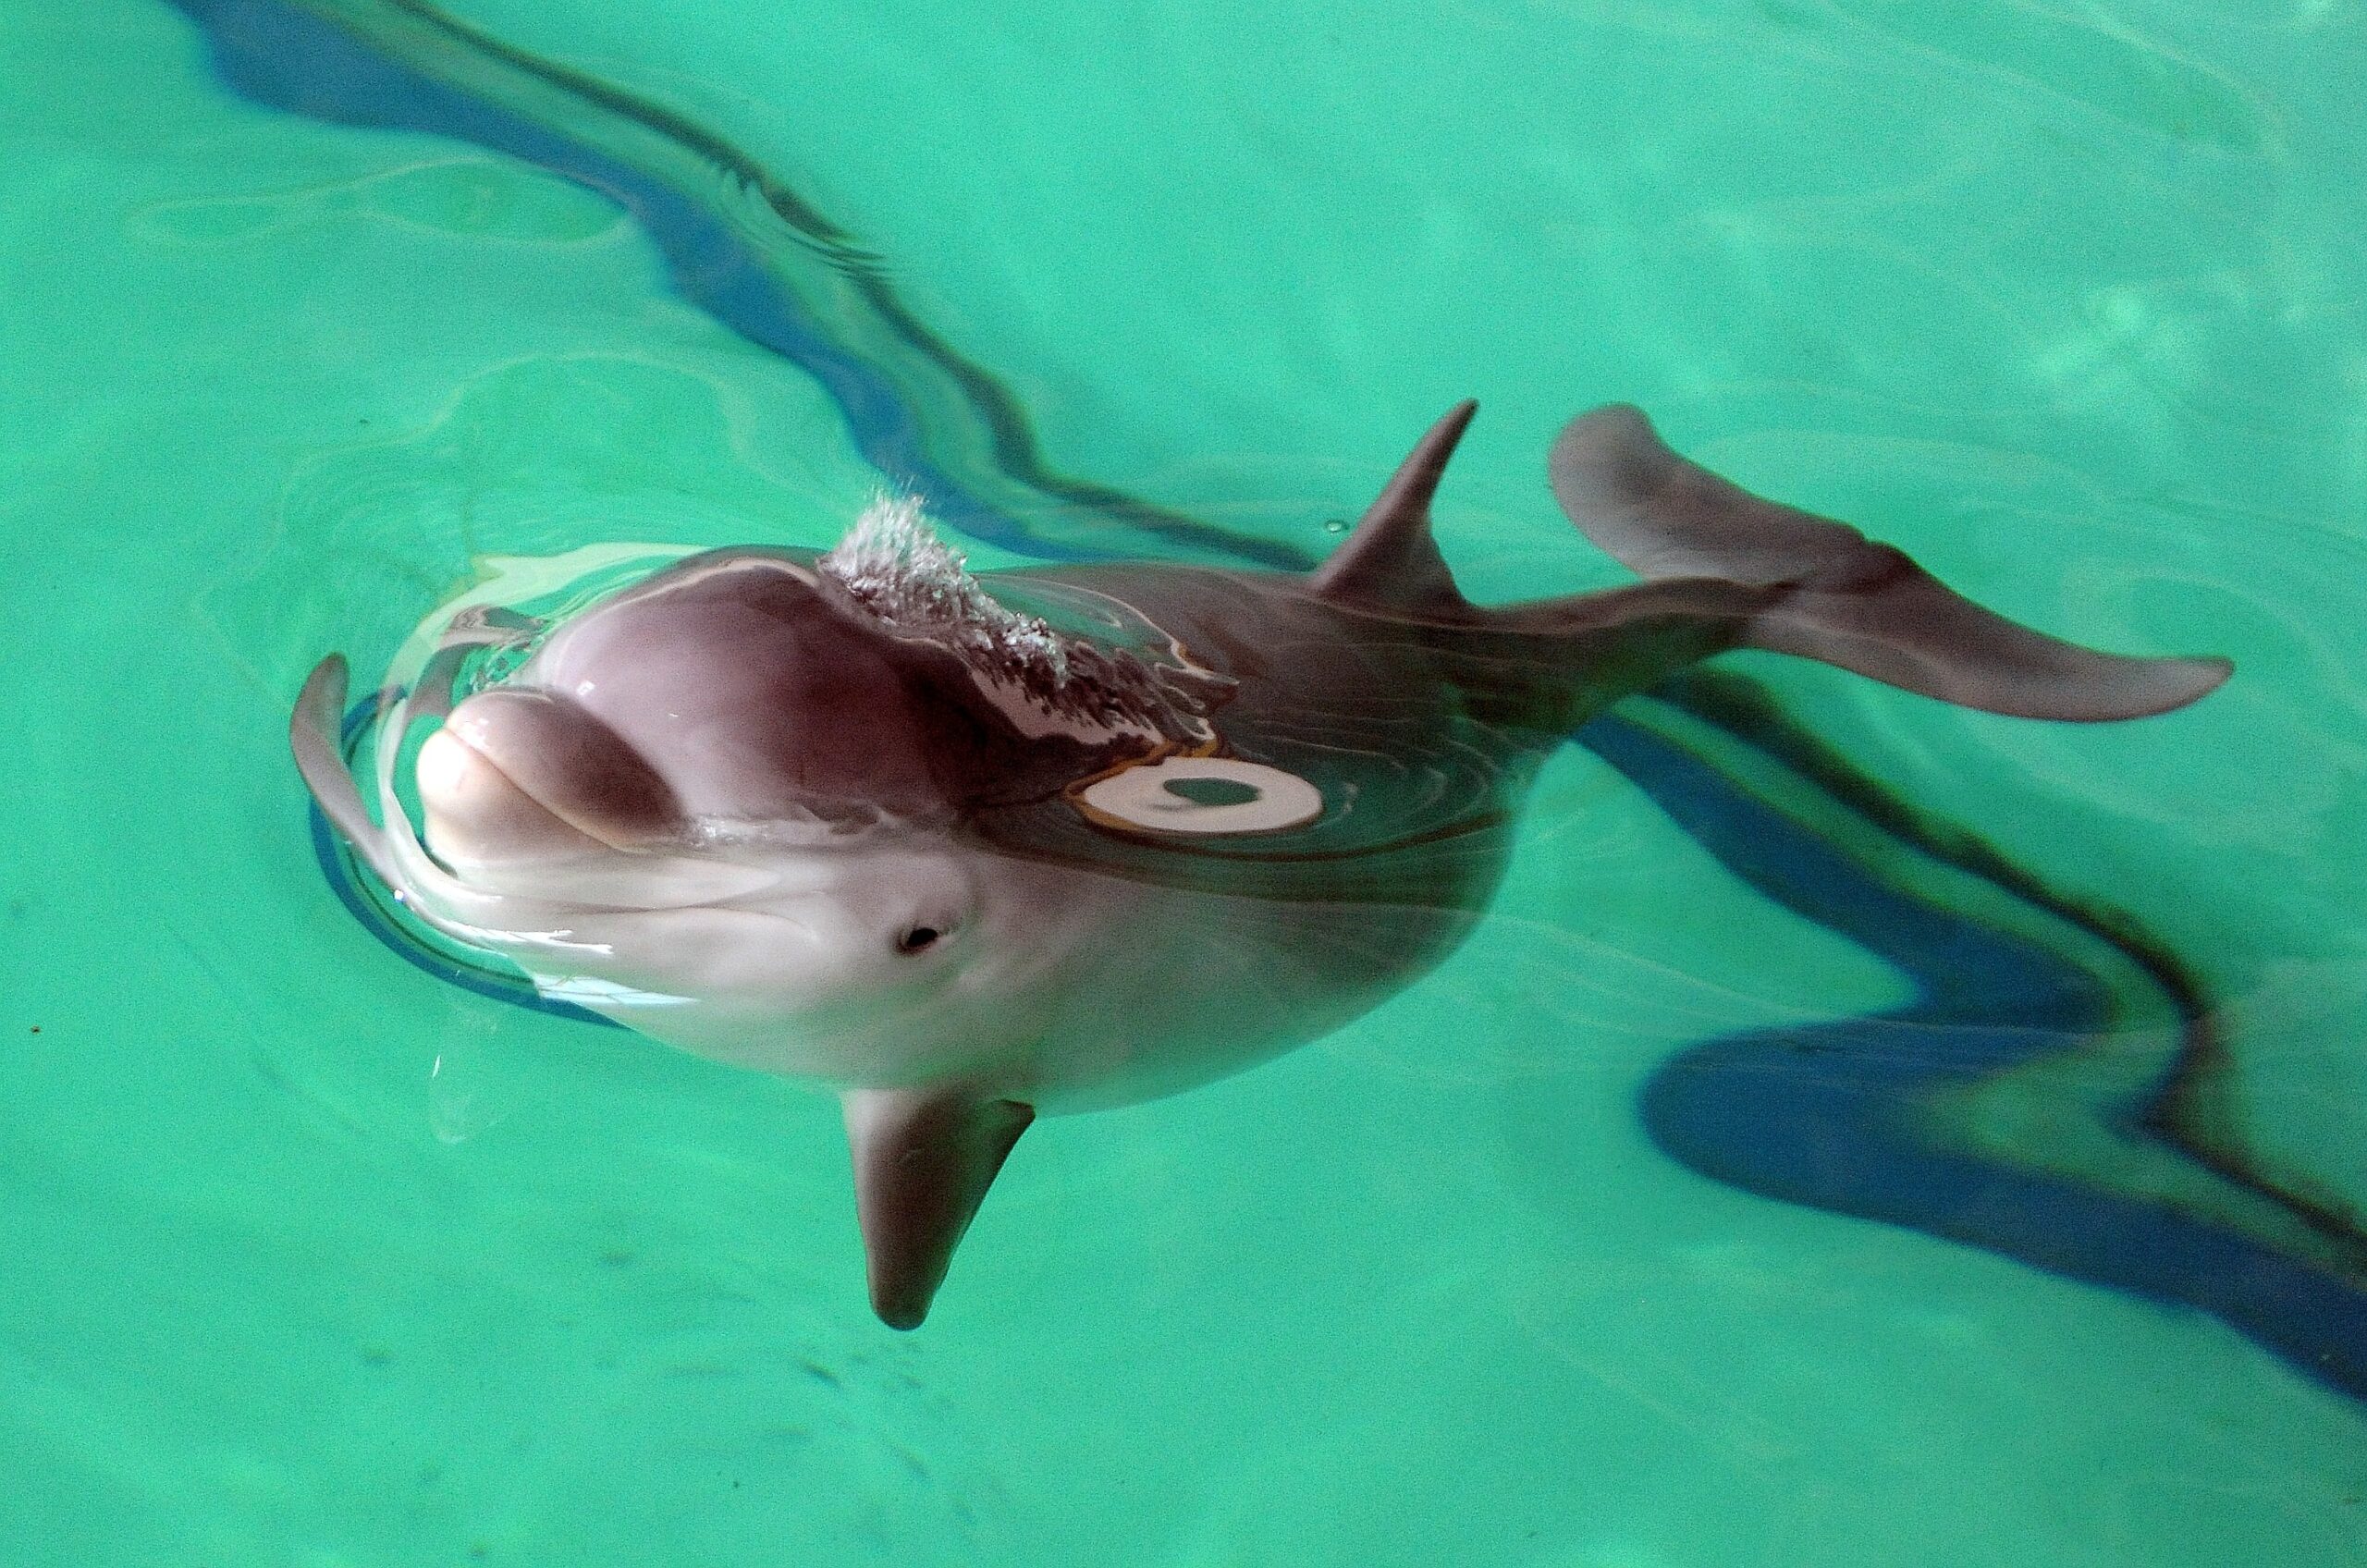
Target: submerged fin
[(313, 735), (1391, 560), (924, 1159), (1849, 602)]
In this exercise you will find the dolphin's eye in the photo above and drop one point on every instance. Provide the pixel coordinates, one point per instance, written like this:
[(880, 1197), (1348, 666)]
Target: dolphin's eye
[(918, 939)]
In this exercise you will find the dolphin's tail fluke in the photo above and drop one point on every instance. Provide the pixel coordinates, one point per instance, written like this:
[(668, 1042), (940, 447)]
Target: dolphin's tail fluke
[(1845, 599)]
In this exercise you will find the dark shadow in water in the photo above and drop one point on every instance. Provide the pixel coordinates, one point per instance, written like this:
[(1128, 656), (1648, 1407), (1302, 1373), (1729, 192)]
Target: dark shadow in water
[(797, 285), (1829, 1114), (1838, 1114)]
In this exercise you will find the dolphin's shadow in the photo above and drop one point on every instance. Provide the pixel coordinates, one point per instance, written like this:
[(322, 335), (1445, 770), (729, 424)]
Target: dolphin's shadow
[(2036, 1099)]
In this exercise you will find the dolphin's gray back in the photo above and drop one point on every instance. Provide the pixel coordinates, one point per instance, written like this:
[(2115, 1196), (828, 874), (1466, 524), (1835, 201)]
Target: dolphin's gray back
[(1422, 716), (1419, 781), (1776, 577)]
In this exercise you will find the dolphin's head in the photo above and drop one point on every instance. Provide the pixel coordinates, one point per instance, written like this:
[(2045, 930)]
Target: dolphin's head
[(721, 788), (730, 806), (722, 713)]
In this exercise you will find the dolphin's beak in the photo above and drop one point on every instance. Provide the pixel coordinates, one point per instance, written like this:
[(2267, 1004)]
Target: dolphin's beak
[(476, 814), (527, 795), (519, 774)]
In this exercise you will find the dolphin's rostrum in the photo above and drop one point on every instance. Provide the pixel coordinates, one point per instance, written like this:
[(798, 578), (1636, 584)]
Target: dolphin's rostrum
[(969, 848)]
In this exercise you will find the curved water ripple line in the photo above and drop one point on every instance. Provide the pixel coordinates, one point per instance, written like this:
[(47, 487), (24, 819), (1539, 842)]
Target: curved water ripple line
[(1823, 1115), (368, 901), (741, 245)]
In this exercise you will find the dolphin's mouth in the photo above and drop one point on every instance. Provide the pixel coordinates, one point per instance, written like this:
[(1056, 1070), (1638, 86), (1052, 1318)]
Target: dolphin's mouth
[(571, 906), (499, 835), (538, 904)]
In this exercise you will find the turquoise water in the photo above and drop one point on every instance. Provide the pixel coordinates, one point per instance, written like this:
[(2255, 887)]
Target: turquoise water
[(315, 1259)]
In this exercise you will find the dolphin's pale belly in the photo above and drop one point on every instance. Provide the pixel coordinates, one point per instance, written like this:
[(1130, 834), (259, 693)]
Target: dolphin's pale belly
[(1122, 992), (1212, 984)]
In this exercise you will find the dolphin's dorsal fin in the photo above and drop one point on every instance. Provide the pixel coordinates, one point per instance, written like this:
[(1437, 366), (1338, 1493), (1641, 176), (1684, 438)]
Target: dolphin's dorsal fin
[(924, 1159), (1391, 560)]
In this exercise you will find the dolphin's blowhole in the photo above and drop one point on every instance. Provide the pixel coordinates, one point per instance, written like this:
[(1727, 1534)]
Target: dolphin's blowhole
[(1212, 791)]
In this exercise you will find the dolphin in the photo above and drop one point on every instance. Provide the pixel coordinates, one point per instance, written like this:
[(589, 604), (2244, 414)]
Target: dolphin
[(969, 848)]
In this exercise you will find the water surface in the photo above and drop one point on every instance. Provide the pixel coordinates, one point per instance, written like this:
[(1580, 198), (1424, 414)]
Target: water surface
[(318, 1260)]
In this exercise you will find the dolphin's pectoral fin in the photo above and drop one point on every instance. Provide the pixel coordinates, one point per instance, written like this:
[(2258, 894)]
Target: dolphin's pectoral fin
[(1391, 560), (923, 1160), (1840, 597)]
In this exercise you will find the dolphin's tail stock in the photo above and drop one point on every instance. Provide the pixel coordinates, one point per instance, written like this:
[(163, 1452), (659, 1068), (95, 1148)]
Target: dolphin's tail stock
[(1838, 597)]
